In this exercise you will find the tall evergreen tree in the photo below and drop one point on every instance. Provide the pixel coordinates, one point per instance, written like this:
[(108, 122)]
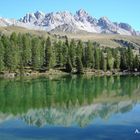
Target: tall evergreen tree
[(97, 59), (21, 56), (64, 53), (136, 62), (68, 65), (79, 49), (116, 59), (11, 57), (66, 41), (89, 55), (1, 56), (130, 58), (79, 65), (59, 53), (48, 53), (123, 59), (103, 62), (26, 46), (110, 60), (36, 64), (72, 52), (42, 51), (13, 38)]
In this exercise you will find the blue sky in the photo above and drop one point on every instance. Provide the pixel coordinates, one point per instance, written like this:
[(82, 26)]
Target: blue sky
[(117, 10)]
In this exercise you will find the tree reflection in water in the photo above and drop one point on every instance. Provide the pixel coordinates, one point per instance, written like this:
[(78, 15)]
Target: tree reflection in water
[(67, 100)]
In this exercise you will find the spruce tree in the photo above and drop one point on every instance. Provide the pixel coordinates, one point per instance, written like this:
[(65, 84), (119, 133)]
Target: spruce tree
[(123, 59), (79, 49), (64, 53), (26, 46), (1, 56), (89, 55), (136, 62), (66, 41), (68, 65), (130, 58), (72, 52), (48, 53), (11, 59), (13, 38), (97, 59), (42, 51), (59, 53), (103, 62), (116, 59), (36, 53), (79, 66), (110, 60)]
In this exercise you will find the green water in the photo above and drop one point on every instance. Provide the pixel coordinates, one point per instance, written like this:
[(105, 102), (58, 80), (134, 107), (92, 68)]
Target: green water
[(70, 107)]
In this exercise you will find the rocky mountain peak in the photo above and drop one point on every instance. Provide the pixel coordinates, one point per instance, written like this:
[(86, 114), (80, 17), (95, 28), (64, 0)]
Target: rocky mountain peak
[(107, 26), (39, 14), (82, 13), (66, 21), (125, 26), (104, 20)]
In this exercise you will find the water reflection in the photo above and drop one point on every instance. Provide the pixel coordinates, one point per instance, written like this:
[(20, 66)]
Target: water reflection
[(67, 101)]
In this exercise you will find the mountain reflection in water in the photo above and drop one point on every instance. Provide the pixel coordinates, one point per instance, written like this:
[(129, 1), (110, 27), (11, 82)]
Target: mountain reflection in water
[(67, 101)]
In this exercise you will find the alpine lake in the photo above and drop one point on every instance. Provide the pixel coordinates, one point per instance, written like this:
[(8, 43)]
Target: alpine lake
[(70, 108)]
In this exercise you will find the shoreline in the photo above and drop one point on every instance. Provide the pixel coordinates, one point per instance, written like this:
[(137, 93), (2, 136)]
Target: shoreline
[(55, 72)]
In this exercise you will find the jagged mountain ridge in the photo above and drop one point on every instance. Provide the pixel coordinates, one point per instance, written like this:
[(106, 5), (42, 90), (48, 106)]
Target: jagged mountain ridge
[(81, 116), (66, 21)]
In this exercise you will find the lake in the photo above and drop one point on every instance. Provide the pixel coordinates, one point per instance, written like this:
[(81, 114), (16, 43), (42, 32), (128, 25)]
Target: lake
[(70, 108)]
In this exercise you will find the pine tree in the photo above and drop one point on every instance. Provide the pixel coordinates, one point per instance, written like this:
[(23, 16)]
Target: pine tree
[(103, 62), (66, 41), (110, 60), (59, 53), (21, 57), (105, 65), (64, 53), (79, 49), (123, 59), (89, 55), (13, 38), (136, 62), (42, 51), (48, 53), (36, 64), (97, 59), (116, 59), (68, 65), (130, 58), (11, 57), (26, 46), (72, 52), (1, 56), (79, 66)]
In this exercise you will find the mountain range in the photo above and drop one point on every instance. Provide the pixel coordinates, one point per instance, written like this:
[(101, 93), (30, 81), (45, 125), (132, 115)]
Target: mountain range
[(67, 22), (81, 116)]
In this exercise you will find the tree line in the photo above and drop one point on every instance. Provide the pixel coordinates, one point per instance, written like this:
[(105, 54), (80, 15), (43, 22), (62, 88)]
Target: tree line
[(19, 51)]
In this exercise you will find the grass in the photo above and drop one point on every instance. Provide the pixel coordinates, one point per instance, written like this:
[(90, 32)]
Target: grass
[(105, 40)]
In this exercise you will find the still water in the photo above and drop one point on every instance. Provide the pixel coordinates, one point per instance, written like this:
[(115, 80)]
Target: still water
[(70, 108)]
